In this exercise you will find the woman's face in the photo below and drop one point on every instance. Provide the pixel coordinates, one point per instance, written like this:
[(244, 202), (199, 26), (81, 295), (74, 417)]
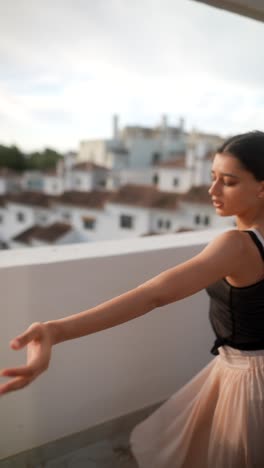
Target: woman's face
[(234, 190)]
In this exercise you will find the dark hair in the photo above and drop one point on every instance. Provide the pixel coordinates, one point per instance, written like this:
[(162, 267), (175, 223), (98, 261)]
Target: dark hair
[(248, 148)]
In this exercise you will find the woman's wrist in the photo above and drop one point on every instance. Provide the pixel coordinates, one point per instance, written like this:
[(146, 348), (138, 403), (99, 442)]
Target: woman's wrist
[(53, 330)]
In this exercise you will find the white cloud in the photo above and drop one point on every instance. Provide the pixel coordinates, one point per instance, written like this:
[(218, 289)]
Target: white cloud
[(68, 65)]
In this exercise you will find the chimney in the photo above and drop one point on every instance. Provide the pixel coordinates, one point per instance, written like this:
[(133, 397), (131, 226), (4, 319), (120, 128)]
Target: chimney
[(115, 127), (164, 124), (181, 124)]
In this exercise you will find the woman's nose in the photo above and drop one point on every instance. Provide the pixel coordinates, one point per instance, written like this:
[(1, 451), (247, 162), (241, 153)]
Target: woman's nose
[(214, 188)]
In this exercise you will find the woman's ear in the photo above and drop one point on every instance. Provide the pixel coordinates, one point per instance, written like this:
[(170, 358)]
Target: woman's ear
[(261, 190)]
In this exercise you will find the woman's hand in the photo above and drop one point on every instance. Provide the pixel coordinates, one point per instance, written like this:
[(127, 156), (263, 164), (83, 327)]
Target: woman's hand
[(38, 340)]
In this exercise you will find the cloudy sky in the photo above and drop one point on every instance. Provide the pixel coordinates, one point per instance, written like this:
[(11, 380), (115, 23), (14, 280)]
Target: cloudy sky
[(66, 66)]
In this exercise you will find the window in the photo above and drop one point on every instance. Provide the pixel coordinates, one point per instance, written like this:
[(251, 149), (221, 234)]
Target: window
[(206, 220), (66, 215), (156, 157), (197, 219), (155, 179), (175, 181), (168, 224), (20, 217), (126, 222), (160, 223), (54, 187), (1, 218), (88, 223)]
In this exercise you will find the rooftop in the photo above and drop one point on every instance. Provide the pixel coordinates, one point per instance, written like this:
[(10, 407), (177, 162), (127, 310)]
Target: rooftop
[(145, 196), (49, 233)]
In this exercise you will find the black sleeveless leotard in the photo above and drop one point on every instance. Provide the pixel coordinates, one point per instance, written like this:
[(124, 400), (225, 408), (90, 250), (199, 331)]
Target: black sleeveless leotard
[(237, 313)]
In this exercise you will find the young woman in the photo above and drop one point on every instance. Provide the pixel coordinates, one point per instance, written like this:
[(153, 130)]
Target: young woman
[(217, 419)]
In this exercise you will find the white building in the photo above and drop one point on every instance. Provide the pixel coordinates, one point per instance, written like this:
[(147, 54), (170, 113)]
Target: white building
[(23, 210), (135, 147), (173, 176), (88, 176), (109, 153), (131, 211), (37, 236), (52, 182), (10, 181)]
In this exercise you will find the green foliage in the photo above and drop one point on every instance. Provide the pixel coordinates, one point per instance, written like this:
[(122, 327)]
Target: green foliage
[(13, 158)]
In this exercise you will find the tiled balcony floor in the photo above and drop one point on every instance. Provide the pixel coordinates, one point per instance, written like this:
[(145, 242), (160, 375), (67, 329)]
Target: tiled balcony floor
[(103, 454), (105, 446), (99, 455)]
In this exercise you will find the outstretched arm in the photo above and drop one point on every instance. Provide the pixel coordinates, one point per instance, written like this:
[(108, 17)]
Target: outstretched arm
[(222, 257)]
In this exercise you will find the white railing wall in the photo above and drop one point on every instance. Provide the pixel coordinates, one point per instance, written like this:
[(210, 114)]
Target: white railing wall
[(111, 373)]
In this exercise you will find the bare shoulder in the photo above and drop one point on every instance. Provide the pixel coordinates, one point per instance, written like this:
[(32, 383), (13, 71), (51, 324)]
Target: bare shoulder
[(220, 258), (229, 242)]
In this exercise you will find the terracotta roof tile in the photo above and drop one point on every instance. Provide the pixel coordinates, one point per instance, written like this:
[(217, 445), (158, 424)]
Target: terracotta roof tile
[(184, 229), (32, 198), (3, 200), (145, 196), (50, 173), (173, 163), (197, 195), (87, 166), (93, 199), (44, 233)]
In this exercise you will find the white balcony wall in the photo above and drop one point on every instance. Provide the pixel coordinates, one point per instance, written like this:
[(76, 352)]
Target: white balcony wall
[(108, 374)]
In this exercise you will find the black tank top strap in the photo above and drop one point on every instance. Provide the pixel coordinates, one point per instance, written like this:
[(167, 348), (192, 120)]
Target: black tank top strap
[(256, 240)]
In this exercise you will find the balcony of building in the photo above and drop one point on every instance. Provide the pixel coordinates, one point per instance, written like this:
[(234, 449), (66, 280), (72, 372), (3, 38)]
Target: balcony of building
[(81, 411)]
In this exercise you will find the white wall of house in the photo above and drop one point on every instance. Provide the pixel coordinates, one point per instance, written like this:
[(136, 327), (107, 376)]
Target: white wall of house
[(117, 160), (32, 180), (3, 215), (142, 151), (131, 176), (75, 216), (82, 181), (108, 222), (53, 185), (166, 221), (19, 218), (44, 216), (3, 185), (202, 172), (170, 145), (72, 237), (10, 184), (197, 214), (140, 221), (173, 179), (85, 181)]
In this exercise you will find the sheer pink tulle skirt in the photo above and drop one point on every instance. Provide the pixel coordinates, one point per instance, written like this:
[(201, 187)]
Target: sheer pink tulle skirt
[(215, 421)]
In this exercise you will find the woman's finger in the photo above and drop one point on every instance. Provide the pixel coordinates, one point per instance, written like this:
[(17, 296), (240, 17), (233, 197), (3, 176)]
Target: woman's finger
[(33, 332), (25, 371), (14, 384)]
